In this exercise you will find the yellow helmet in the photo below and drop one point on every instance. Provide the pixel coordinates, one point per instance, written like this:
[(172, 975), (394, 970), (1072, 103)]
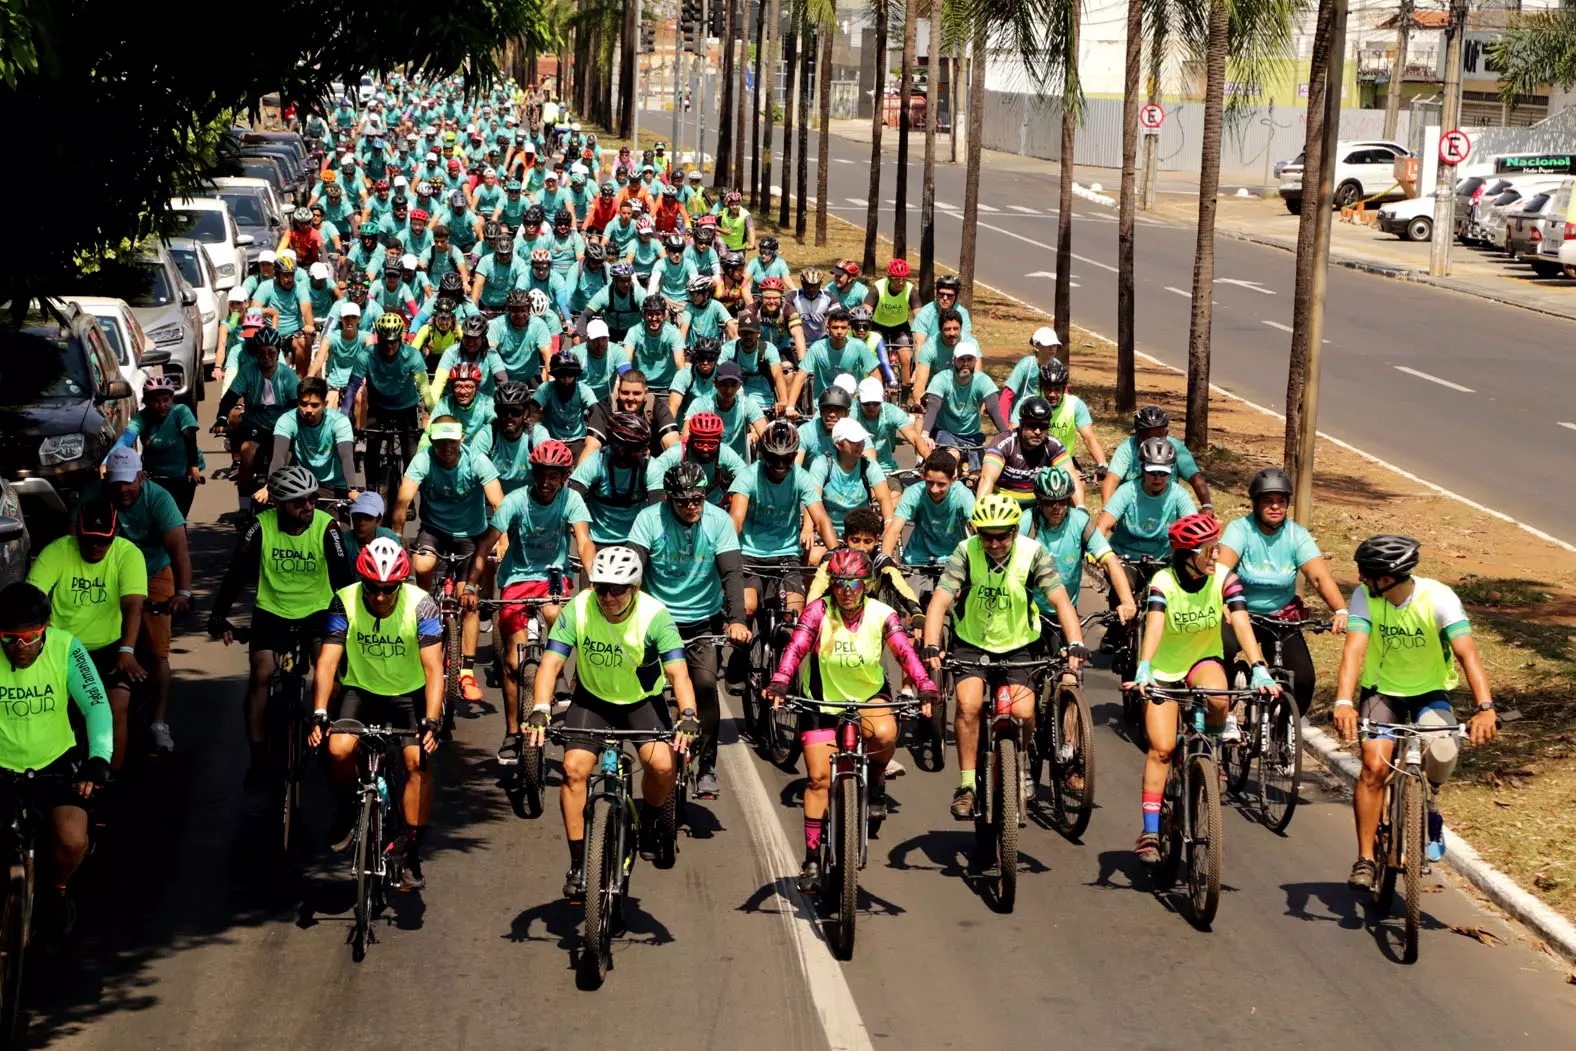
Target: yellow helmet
[(996, 511)]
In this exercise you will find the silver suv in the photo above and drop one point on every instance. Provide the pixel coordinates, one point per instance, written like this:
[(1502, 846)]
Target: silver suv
[(166, 308)]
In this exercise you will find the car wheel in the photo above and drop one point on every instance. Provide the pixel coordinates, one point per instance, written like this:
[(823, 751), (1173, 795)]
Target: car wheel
[(1570, 272), (1420, 229), (1294, 205), (1347, 193), (1547, 269)]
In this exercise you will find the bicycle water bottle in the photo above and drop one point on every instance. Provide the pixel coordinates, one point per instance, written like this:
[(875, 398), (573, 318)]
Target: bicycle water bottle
[(383, 791), (609, 762), (1198, 718)]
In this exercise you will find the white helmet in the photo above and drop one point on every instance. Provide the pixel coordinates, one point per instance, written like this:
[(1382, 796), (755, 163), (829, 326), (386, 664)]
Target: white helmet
[(616, 565)]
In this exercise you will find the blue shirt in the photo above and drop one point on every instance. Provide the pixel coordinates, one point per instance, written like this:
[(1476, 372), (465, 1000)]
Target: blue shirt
[(615, 495), (960, 403), (683, 572), (1268, 565), (452, 500), (538, 533), (938, 527), (771, 526), (842, 491), (1142, 521)]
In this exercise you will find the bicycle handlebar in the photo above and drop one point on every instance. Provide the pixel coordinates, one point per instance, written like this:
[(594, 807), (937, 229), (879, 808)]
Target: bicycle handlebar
[(561, 733), (360, 729), (987, 663), (901, 709), (1264, 620), (1166, 694)]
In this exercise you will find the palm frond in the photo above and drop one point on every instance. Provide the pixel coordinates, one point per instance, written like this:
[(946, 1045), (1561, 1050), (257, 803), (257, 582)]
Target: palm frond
[(1537, 49)]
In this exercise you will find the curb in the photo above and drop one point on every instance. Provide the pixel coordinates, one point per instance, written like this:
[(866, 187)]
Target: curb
[(1558, 933)]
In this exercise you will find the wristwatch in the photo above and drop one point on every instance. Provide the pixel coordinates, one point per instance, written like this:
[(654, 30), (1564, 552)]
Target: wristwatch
[(1489, 707)]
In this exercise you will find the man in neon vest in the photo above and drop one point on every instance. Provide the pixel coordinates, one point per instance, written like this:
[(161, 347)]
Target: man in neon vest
[(892, 302)]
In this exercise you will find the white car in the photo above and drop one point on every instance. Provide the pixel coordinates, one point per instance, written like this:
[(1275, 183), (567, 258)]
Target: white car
[(1493, 215), (367, 90), (1363, 169), (1411, 219), (125, 337), (207, 219), (191, 258)]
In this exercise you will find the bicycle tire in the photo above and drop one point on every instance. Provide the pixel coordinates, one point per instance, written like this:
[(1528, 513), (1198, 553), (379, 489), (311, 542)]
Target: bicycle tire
[(937, 745), (1205, 854), (292, 793), (1071, 811), (782, 734), (1009, 789), (14, 926), (600, 869), (532, 771), (367, 835), (451, 673), (1414, 843), (1385, 854), (847, 868), (1237, 759), (1280, 763), (1170, 829)]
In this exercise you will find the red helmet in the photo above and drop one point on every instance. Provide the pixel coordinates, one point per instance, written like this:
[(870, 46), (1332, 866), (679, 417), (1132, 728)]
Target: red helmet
[(772, 284), (383, 561), (706, 220), (381, 184), (1194, 531), (629, 428), (466, 370), (848, 564), (706, 426), (897, 268), (419, 213), (552, 453)]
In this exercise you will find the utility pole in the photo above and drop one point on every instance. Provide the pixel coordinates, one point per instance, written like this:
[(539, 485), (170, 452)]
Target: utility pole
[(1335, 78), (1152, 142), (1392, 96), (1444, 177), (678, 51)]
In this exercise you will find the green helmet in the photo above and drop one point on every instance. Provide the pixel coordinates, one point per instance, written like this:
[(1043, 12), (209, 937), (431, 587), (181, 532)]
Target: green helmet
[(370, 229), (1053, 483)]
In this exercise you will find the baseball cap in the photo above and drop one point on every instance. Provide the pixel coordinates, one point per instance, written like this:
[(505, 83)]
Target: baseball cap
[(530, 147), (847, 382), (447, 432), (966, 348), (596, 328), (1045, 336), (408, 261), (267, 255), (849, 429), (318, 271), (238, 295), (728, 370), (122, 465), (368, 504), (871, 390), (349, 309)]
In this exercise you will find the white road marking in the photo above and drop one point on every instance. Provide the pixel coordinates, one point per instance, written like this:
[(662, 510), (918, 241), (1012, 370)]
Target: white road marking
[(946, 206), (1434, 379), (1179, 291), (1568, 426), (987, 208), (843, 160), (860, 201), (1254, 285), (1277, 324), (1024, 209)]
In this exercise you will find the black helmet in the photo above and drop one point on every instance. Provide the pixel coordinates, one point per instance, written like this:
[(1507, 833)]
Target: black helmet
[(1387, 555), (684, 478), (511, 395), (949, 282), (517, 299), (450, 282), (1035, 410), (1268, 481), (595, 252), (1150, 416), (565, 363), (491, 229), (835, 397), (1156, 452), (475, 327), (732, 260), (563, 218), (1053, 374), (781, 438), (534, 216), (706, 347), (503, 244), (653, 306), (267, 336), (769, 244), (673, 241)]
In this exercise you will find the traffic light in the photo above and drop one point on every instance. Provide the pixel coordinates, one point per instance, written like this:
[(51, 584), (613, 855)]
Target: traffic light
[(691, 15), (719, 19), (648, 38)]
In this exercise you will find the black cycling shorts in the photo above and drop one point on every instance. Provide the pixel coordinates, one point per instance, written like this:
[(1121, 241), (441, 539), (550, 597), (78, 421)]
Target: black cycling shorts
[(792, 577), (104, 659), (54, 786), (592, 714), (400, 712), (432, 543), (273, 633), (1021, 676)]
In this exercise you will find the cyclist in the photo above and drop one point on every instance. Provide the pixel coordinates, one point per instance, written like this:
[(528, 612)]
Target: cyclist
[(1068, 533), (168, 433), (566, 401), (268, 386), (689, 553), (547, 294), (630, 395), (669, 217), (643, 252), (565, 245), (781, 326), (396, 380), (1401, 637), (815, 434), (1024, 380), (735, 223), (612, 479), (1151, 421), (295, 554), (474, 349), (600, 360), (767, 264), (741, 417), (342, 346), (497, 275), (696, 378), (387, 633), (859, 319), (368, 253), (671, 275), (994, 573), (1138, 517), (892, 301), (1188, 605), (927, 321), (702, 252), (458, 487), (621, 305), (812, 303), (938, 355), (589, 278), (539, 520), (846, 634), (1267, 550), (703, 447), (316, 437), (474, 411), (1070, 419), (939, 508), (734, 293), (366, 525), (703, 315), (848, 478), (760, 363), (512, 436), (832, 355), (622, 229), (444, 258), (523, 342), (97, 583), (40, 661), (1015, 458), (954, 400), (656, 348), (635, 635), (887, 423)]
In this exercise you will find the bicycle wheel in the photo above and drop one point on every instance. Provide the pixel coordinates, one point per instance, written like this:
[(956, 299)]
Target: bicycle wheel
[(1204, 848), (1170, 829), (1385, 853), (1414, 842), (1009, 791), (451, 673), (1134, 712), (847, 866), (1072, 763), (1237, 759), (14, 923), (533, 758), (1280, 763), (782, 734), (293, 774), (936, 746), (368, 837), (601, 868)]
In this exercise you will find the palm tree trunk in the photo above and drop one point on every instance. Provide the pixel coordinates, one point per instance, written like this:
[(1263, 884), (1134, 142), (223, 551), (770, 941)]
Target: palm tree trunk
[(790, 104), (1064, 215), (742, 70), (927, 193), (1204, 252), (628, 48), (768, 119), (809, 42), (823, 147), (725, 109), (971, 176), (1126, 380), (905, 90), (755, 109), (877, 121)]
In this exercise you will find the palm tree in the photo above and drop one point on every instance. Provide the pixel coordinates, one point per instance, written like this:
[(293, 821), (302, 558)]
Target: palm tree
[(790, 85), (877, 114), (905, 89), (727, 101), (755, 105), (810, 43), (1537, 49), (628, 57), (927, 193), (1126, 365), (971, 162), (769, 76), (823, 149), (1064, 43)]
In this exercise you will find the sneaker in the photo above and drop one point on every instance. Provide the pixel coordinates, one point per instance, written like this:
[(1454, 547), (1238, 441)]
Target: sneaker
[(894, 769), (706, 785), (963, 804), (810, 876), (495, 675), (1436, 836), (1231, 733), (1362, 877), (163, 743), (878, 802), (468, 688), (410, 877), (509, 751), (1148, 848), (575, 884)]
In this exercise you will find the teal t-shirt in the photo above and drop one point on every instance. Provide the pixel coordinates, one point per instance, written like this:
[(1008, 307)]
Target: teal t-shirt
[(1268, 565), (815, 439), (342, 356), (927, 322), (491, 364), (1124, 461), (720, 473), (653, 355), (391, 383), (710, 320), (287, 302), (164, 442), (938, 527), (672, 279), (1067, 547), (499, 280), (538, 533), (267, 397), (353, 546), (771, 526), (452, 500), (564, 415), (825, 362), (314, 447), (884, 432), (523, 350), (842, 491), (960, 403), (736, 419), (690, 385), (146, 521), (1142, 521), (615, 495), (757, 368), (599, 372), (683, 571), (511, 458)]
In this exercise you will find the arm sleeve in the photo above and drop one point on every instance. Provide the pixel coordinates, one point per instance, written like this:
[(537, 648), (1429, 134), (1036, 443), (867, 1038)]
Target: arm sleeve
[(243, 567), (337, 625), (956, 572), (281, 450), (347, 460), (932, 410), (87, 692), (897, 641), (993, 410), (731, 565), (1231, 592), (340, 573)]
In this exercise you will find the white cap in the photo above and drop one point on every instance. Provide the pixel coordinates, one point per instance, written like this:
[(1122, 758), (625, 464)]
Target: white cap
[(267, 256), (470, 129), (549, 174), (432, 158), (345, 158), (530, 147), (508, 118), (318, 271), (413, 137), (493, 172), (966, 348), (1045, 336), (596, 328), (870, 389), (400, 180), (579, 169), (238, 295), (408, 261), (349, 309), (847, 382), (849, 429)]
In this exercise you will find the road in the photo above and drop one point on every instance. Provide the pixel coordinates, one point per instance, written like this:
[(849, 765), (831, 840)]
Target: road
[(1452, 388), (193, 934)]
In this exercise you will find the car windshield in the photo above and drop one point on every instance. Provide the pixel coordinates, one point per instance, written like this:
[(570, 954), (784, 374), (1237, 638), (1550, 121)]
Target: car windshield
[(38, 363), (1535, 203), (190, 266), (257, 168), (112, 333), (246, 207), (156, 292), (206, 225)]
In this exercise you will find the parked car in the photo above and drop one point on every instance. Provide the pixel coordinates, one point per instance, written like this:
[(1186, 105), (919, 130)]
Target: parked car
[(367, 90), (63, 405), (1411, 219), (126, 339), (1495, 214), (257, 213), (208, 220), (191, 257), (15, 545), (295, 174), (166, 307), (271, 169), (1363, 168), (1536, 232)]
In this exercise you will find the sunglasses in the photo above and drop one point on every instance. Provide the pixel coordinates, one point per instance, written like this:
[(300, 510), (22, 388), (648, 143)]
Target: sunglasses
[(686, 501), (611, 590), (380, 589), (22, 638), (848, 583), (1027, 426), (996, 536)]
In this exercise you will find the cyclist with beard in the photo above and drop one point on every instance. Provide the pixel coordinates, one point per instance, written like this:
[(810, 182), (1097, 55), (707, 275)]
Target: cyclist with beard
[(523, 342), (760, 362), (612, 479), (513, 435), (718, 463), (1013, 460)]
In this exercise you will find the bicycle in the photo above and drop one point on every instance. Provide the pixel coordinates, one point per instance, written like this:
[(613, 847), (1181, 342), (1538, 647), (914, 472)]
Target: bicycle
[(287, 711), (845, 839), (1271, 730), (1000, 792), (531, 775), (20, 836), (1128, 643), (375, 845), (385, 459), (776, 736), (1063, 745), (612, 821), (1190, 823), (688, 775), (934, 730), (447, 576)]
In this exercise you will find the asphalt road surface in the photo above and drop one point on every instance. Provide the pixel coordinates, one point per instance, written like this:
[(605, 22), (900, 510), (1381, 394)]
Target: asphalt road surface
[(194, 934), (1471, 395)]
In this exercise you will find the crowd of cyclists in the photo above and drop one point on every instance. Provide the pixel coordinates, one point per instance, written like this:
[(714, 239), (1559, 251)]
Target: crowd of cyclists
[(626, 429)]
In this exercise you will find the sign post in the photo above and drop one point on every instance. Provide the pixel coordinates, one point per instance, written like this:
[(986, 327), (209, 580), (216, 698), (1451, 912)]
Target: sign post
[(1150, 117)]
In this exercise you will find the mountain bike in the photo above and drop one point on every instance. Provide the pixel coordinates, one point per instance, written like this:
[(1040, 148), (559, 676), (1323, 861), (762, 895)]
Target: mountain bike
[(530, 775), (776, 734), (288, 708), (1124, 642), (1063, 746), (612, 824), (20, 836), (376, 840), (845, 838), (447, 576), (688, 774), (1271, 729), (385, 459)]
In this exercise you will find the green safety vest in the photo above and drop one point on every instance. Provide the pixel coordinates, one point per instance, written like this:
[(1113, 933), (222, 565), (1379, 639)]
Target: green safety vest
[(732, 226), (891, 308), (1407, 655), (382, 656), (1063, 426), (609, 656), (294, 581), (35, 727), (1193, 621), (850, 659), (997, 614)]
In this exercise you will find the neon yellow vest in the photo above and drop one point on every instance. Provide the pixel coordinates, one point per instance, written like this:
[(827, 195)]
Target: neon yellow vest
[(998, 616), (294, 581), (732, 227), (382, 656), (1407, 654), (35, 723), (1192, 629), (891, 308), (1064, 427), (850, 659), (609, 656)]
